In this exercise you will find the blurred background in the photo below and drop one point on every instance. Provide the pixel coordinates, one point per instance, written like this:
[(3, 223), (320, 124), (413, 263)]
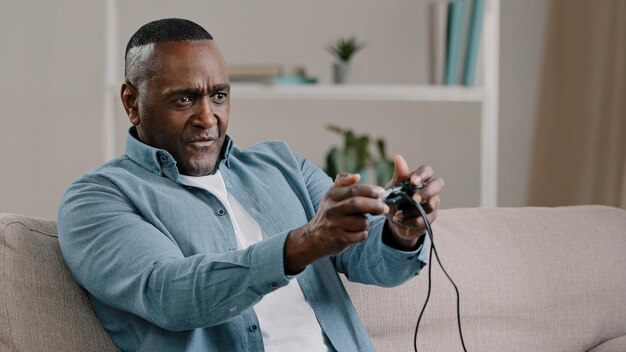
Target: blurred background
[(559, 92)]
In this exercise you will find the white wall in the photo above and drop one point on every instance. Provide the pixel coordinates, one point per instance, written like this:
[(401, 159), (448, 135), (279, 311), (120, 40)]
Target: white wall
[(51, 97), (52, 94), (523, 27)]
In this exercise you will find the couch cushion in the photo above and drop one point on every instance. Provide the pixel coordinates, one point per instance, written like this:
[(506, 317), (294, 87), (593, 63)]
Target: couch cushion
[(531, 279), (617, 344), (41, 307)]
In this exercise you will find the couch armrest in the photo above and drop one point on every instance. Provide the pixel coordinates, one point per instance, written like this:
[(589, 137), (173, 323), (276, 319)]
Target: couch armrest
[(41, 307)]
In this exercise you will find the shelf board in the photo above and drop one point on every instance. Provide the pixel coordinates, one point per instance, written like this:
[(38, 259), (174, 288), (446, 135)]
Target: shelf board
[(356, 92)]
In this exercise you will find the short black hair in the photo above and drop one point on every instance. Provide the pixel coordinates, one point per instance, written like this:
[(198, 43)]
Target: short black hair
[(167, 30)]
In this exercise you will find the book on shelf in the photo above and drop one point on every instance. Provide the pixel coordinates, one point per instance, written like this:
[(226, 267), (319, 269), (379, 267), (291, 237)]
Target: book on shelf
[(438, 20), (456, 10), (473, 42), (268, 74), (455, 36), (254, 73)]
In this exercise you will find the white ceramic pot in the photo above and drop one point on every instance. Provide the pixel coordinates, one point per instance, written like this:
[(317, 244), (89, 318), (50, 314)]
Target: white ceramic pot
[(341, 72)]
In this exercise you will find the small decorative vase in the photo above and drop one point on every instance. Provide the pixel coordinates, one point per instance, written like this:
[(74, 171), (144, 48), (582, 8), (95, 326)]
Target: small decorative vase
[(341, 71)]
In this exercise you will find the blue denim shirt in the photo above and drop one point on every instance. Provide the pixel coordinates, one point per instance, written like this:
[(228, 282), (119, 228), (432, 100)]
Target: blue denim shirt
[(160, 261)]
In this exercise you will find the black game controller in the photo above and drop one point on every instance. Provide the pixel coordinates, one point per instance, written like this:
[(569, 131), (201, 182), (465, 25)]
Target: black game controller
[(400, 195)]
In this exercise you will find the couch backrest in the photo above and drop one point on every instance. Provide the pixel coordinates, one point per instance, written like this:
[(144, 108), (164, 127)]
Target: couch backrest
[(41, 307), (531, 279)]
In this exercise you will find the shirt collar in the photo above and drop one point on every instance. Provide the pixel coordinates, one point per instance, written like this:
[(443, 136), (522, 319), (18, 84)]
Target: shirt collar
[(159, 161)]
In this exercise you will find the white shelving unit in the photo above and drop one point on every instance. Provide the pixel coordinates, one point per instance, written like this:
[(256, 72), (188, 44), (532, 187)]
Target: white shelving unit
[(489, 111), (375, 92), (486, 95)]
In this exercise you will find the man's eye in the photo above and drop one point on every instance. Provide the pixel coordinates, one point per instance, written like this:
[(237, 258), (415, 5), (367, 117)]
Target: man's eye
[(184, 100), (218, 98)]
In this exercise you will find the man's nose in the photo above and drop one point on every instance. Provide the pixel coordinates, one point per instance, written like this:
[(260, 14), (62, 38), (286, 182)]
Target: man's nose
[(204, 116)]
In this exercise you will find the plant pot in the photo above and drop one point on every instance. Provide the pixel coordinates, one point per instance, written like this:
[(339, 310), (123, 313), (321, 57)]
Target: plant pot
[(341, 72)]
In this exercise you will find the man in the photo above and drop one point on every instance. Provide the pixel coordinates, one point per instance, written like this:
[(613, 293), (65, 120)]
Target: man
[(188, 243)]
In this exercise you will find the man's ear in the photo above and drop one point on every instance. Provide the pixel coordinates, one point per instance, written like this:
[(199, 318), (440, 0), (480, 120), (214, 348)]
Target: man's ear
[(128, 94)]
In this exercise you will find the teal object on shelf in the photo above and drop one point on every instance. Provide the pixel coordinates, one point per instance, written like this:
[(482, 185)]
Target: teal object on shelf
[(455, 23), (473, 42), (293, 80)]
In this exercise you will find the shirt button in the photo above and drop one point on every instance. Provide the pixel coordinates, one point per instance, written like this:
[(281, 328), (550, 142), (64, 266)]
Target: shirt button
[(163, 158), (253, 328), (274, 285), (221, 211)]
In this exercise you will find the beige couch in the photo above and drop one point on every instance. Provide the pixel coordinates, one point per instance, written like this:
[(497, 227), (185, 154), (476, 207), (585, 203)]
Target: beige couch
[(531, 279)]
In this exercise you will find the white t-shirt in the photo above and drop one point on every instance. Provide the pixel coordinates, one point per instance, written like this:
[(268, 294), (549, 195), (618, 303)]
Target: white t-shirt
[(286, 319)]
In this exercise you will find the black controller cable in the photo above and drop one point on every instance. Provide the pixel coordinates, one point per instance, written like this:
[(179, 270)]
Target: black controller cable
[(400, 195)]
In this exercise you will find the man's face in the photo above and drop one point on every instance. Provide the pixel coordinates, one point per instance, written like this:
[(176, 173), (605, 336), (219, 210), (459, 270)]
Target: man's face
[(181, 102)]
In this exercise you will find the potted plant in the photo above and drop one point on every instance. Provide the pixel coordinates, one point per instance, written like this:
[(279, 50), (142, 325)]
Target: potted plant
[(343, 49), (355, 157)]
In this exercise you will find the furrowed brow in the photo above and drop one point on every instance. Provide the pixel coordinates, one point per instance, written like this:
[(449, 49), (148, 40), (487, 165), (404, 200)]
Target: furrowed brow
[(182, 91), (221, 87)]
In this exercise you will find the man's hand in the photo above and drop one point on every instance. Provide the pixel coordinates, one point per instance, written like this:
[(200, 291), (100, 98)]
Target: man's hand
[(406, 227), (340, 222)]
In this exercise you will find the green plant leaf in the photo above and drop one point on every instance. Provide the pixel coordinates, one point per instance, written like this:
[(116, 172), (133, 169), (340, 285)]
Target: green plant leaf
[(344, 48)]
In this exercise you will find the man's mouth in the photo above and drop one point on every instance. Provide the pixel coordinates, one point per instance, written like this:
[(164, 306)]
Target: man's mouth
[(202, 142)]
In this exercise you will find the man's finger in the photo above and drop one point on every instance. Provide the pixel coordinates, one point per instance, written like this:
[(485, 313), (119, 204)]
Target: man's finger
[(361, 205), (432, 189), (433, 204), (346, 179), (341, 193), (422, 174), (429, 207)]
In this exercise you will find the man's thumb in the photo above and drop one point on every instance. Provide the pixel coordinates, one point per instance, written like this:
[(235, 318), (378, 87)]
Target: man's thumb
[(400, 170)]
